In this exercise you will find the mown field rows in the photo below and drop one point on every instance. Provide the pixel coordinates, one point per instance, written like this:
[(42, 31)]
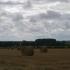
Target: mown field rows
[(54, 59)]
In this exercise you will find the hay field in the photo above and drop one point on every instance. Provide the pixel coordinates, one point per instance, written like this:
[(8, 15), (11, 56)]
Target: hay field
[(54, 59)]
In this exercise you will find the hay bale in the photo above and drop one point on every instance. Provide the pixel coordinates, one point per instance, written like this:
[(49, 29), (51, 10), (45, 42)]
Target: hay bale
[(8, 48), (36, 47), (27, 51), (12, 48), (43, 49), (15, 46), (52, 47), (66, 47), (19, 48)]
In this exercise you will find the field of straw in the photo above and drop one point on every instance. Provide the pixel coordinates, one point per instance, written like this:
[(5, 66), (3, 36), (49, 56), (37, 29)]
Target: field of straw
[(54, 59)]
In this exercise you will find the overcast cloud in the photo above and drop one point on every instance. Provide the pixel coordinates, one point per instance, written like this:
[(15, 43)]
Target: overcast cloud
[(33, 19)]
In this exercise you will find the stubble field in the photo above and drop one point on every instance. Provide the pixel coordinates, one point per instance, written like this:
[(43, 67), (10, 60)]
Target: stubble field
[(54, 59)]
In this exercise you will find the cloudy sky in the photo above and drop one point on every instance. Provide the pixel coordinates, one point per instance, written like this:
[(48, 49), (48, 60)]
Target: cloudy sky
[(33, 19)]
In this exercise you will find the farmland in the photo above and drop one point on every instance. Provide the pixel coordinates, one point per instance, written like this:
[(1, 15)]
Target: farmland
[(54, 59)]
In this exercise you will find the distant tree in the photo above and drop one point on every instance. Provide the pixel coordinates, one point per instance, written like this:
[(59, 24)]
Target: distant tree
[(48, 42), (25, 43), (63, 43)]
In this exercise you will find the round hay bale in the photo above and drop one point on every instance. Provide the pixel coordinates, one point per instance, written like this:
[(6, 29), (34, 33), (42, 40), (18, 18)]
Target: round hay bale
[(8, 48), (27, 51), (12, 48), (18, 48), (52, 47), (43, 49), (15, 46), (36, 47), (66, 47)]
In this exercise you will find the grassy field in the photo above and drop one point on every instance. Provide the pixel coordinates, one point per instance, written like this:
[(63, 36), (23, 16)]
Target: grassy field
[(54, 59)]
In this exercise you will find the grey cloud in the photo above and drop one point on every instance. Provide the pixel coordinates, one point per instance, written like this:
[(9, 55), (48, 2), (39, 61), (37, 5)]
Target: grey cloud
[(40, 1), (23, 27), (50, 15), (58, 22), (20, 26), (65, 16), (27, 5), (6, 29), (42, 25), (8, 22), (57, 0), (50, 25), (66, 24), (14, 17), (37, 29), (17, 17), (10, 3), (61, 35), (33, 19), (3, 13)]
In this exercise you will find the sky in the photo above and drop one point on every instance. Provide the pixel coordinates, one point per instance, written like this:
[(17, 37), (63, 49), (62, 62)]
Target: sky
[(34, 19)]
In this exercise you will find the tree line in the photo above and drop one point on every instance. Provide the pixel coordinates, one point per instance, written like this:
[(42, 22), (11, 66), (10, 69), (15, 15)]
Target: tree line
[(37, 42)]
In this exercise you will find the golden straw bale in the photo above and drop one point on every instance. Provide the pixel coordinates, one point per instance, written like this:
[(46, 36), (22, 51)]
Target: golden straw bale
[(66, 47), (27, 51), (43, 49), (19, 48), (12, 48)]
